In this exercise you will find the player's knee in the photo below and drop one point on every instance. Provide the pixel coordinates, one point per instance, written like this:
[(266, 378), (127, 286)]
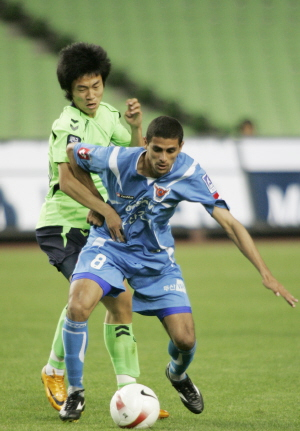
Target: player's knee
[(185, 340), (185, 344), (84, 295), (76, 312), (79, 309)]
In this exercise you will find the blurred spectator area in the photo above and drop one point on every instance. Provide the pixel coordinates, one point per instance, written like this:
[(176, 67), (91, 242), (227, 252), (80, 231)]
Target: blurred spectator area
[(223, 60)]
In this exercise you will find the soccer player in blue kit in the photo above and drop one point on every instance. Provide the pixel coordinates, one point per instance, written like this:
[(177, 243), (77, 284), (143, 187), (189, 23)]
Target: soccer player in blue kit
[(135, 243)]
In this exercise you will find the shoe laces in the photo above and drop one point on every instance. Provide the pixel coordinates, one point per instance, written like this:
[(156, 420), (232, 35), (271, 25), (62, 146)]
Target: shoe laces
[(187, 387)]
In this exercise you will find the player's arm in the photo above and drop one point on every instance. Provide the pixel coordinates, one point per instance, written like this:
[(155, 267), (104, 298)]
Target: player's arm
[(133, 117), (72, 187), (69, 184), (242, 239), (79, 185)]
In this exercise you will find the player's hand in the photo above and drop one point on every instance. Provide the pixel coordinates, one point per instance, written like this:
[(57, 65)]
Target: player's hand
[(114, 224), (133, 114), (279, 290), (94, 218)]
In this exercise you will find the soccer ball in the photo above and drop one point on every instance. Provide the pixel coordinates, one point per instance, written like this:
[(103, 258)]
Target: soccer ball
[(134, 406)]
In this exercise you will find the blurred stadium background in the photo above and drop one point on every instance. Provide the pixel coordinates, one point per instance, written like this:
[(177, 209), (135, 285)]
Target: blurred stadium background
[(209, 63)]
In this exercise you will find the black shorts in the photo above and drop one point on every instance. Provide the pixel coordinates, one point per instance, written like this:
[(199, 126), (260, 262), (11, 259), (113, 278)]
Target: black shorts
[(62, 246)]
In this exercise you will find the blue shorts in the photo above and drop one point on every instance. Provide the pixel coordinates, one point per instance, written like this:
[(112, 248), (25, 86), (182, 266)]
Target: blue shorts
[(153, 291), (159, 292)]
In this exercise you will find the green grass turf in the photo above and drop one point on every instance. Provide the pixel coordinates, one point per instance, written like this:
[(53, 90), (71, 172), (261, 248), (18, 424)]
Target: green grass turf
[(247, 362)]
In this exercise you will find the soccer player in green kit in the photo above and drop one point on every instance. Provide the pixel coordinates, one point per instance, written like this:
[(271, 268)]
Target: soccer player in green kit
[(64, 221)]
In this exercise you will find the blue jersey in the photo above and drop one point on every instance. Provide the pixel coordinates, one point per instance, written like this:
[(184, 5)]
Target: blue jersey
[(146, 205)]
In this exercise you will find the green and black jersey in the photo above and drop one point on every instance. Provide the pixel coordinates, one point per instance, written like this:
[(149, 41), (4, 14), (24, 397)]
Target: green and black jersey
[(75, 126)]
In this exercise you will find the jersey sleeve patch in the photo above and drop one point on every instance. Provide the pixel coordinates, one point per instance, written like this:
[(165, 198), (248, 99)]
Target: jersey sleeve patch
[(84, 153), (73, 139), (209, 184)]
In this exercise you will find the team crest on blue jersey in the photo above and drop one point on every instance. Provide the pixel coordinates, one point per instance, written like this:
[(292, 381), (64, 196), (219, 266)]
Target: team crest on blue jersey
[(160, 193), (84, 153)]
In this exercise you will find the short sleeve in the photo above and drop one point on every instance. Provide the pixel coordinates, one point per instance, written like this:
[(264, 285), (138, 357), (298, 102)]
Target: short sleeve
[(91, 158), (65, 130), (200, 188)]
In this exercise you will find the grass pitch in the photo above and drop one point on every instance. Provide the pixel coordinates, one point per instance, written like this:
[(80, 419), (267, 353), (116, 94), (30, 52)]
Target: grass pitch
[(246, 365)]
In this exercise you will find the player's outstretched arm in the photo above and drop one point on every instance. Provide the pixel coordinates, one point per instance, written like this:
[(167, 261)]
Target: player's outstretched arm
[(242, 239), (133, 117)]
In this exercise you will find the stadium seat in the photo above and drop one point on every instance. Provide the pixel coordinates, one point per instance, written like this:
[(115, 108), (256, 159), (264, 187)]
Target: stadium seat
[(225, 60)]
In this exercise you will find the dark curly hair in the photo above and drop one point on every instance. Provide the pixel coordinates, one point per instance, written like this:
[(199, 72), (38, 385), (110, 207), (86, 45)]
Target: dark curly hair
[(79, 59), (165, 127)]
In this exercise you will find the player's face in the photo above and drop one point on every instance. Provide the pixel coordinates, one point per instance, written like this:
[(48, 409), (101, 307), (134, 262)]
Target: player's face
[(161, 155), (87, 93)]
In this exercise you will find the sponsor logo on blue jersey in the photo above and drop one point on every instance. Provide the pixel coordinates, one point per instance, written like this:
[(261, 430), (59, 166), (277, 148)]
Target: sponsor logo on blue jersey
[(142, 202), (124, 196)]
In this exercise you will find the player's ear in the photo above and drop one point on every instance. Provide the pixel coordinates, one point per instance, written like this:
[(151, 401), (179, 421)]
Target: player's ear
[(145, 143), (181, 145)]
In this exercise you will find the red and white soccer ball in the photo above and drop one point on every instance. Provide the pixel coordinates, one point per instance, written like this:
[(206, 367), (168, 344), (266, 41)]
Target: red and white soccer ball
[(134, 406)]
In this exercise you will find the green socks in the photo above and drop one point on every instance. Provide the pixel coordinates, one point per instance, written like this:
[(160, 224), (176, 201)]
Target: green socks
[(57, 355), (122, 348)]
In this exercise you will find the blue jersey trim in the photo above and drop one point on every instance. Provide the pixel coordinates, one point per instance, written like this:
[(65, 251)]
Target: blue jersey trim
[(163, 312), (106, 287)]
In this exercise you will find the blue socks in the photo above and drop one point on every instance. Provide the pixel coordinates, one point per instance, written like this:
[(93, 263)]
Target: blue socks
[(180, 359), (75, 338)]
